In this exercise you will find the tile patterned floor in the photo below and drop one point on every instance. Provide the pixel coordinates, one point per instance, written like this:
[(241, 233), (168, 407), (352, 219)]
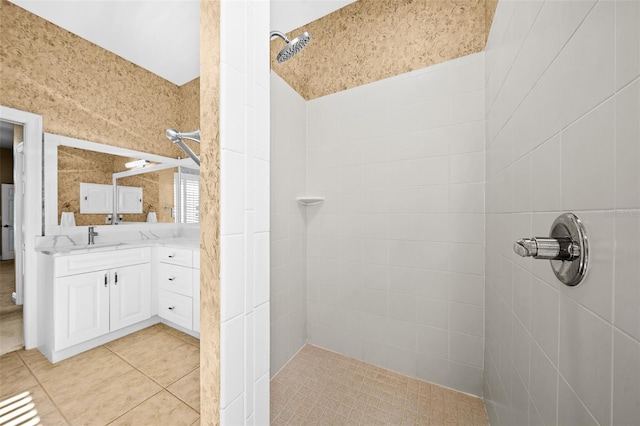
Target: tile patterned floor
[(10, 314), (151, 377), (319, 387)]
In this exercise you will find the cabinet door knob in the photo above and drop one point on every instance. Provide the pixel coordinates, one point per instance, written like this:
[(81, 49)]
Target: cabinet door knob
[(171, 256), (116, 278), (105, 280), (172, 278), (171, 308)]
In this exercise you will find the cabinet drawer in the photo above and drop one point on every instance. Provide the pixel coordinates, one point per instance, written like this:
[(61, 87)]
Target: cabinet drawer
[(176, 308), (175, 256), (72, 264), (178, 279)]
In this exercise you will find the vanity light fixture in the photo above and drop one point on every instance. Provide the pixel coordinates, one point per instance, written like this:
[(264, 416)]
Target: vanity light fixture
[(136, 164)]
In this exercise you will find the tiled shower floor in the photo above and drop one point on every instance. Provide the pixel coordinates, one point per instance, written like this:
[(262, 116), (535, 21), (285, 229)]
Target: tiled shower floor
[(320, 387)]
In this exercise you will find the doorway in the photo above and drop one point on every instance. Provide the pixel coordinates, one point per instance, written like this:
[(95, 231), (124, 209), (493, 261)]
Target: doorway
[(11, 312)]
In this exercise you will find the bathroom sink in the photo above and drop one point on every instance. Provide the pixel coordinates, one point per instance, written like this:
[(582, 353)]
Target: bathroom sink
[(90, 247)]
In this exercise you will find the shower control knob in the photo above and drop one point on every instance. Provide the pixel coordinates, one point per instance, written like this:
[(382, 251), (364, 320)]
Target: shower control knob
[(566, 247), (547, 248), (525, 247)]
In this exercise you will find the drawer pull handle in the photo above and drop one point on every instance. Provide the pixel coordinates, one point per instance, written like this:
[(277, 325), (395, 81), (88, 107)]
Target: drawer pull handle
[(171, 308), (172, 278), (171, 256)]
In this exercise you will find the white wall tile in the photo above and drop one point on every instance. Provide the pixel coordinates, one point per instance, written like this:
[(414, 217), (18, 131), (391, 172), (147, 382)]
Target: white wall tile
[(436, 84), (587, 61), (467, 258), (432, 312), (543, 388), (626, 379), (570, 409), (432, 341), (466, 288), (466, 198), (233, 414), (232, 129), (627, 42), (466, 318), (545, 301), (546, 176), (261, 199), (466, 378), (467, 168), (468, 137), (232, 193), (433, 369), (627, 146), (262, 400), (262, 340), (588, 161), (627, 273), (466, 349), (232, 274), (232, 361), (582, 333), (467, 107)]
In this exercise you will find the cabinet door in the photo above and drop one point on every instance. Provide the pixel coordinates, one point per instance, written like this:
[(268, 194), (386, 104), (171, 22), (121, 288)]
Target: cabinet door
[(81, 308), (130, 295), (196, 300), (129, 199), (96, 198)]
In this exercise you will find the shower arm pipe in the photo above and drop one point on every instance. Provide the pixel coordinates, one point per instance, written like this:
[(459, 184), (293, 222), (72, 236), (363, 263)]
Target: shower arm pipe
[(188, 150), (278, 34)]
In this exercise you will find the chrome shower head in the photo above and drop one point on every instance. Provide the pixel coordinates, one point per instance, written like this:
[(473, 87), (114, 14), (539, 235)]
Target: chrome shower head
[(293, 46)]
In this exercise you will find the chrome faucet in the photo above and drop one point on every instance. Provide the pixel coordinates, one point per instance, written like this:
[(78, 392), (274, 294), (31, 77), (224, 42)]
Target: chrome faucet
[(92, 234)]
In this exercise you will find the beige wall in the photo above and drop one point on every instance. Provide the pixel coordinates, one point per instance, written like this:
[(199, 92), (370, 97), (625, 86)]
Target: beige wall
[(370, 40), (210, 213), (86, 92)]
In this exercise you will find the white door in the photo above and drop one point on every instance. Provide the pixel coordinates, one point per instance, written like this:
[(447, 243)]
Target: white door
[(129, 199), (8, 221), (81, 308), (130, 295)]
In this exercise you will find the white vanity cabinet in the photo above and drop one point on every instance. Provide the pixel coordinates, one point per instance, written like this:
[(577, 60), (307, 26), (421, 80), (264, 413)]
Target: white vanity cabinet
[(179, 287), (96, 297), (92, 304)]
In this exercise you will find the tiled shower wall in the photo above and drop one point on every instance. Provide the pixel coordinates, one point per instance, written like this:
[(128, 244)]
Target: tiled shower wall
[(563, 134), (395, 261), (288, 229), (244, 211)]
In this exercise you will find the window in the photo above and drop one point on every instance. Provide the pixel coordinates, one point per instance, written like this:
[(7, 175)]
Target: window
[(187, 198)]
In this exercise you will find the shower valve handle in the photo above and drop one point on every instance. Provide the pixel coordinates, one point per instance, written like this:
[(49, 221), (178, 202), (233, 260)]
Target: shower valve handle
[(547, 248)]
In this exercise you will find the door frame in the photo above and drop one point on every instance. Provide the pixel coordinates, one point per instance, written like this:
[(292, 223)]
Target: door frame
[(4, 250), (32, 215)]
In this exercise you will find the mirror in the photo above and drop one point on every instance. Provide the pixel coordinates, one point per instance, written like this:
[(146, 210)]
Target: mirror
[(90, 184)]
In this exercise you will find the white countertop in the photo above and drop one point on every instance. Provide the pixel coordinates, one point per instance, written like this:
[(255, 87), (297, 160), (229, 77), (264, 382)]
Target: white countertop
[(68, 248)]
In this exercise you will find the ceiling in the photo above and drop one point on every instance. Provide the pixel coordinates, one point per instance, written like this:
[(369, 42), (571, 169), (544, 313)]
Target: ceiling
[(161, 36)]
